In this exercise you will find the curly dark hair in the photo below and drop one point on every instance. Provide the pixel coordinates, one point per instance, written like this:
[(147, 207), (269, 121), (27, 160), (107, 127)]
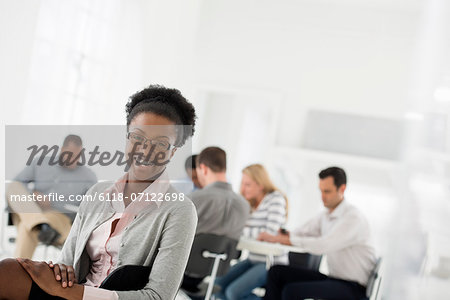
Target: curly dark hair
[(165, 102)]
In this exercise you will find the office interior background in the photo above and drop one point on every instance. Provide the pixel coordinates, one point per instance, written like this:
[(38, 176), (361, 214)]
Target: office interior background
[(297, 85)]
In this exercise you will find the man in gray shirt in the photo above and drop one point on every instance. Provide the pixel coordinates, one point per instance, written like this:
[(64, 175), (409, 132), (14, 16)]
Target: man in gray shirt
[(44, 220), (220, 210)]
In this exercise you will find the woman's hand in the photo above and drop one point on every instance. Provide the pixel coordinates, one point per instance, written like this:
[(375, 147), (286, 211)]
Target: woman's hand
[(63, 273), (281, 238), (266, 237), (42, 275)]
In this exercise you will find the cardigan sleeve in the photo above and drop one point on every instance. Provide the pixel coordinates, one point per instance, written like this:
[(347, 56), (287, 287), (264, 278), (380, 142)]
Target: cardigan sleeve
[(68, 251), (67, 255), (171, 260)]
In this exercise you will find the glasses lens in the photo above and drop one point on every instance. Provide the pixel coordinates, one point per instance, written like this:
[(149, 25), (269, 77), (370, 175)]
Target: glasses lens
[(160, 145), (136, 138)]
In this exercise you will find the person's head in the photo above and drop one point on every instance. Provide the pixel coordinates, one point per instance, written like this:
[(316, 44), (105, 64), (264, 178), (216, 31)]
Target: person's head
[(211, 165), (256, 183), (190, 166), (332, 184), (159, 120), (70, 151)]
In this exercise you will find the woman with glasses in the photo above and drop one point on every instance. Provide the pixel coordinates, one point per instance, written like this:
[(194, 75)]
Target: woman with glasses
[(151, 225)]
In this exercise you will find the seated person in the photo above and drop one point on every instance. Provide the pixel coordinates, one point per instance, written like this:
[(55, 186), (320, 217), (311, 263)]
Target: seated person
[(190, 166), (133, 231), (190, 183), (342, 233), (48, 221), (220, 210), (269, 211)]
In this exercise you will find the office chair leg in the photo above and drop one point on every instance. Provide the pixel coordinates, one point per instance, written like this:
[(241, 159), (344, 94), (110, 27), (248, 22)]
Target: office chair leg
[(213, 278), (217, 258), (378, 288)]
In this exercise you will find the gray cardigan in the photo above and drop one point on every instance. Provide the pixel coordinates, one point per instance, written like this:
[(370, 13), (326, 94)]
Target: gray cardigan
[(158, 237)]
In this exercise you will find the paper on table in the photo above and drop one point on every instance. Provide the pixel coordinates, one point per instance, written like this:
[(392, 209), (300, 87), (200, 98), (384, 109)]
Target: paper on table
[(265, 248)]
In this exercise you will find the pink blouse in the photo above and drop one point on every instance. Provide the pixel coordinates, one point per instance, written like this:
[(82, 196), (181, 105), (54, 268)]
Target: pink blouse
[(105, 241)]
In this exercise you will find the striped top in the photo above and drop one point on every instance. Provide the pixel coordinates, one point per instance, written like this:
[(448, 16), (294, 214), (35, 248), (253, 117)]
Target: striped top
[(269, 216)]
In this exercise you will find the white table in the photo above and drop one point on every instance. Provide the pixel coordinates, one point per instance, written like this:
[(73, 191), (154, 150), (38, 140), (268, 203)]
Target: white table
[(265, 248)]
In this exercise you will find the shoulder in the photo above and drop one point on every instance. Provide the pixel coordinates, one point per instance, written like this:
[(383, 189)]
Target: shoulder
[(40, 162), (92, 200), (240, 199), (240, 205), (182, 202), (275, 198), (204, 192), (47, 161), (197, 193), (353, 213), (205, 195), (180, 210)]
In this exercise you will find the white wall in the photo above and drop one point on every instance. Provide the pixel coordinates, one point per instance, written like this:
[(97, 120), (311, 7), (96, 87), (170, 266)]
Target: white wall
[(321, 55), (17, 29)]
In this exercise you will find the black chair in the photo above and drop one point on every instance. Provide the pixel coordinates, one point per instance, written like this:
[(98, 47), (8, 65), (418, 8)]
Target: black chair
[(305, 261), (210, 256), (127, 278), (374, 282)]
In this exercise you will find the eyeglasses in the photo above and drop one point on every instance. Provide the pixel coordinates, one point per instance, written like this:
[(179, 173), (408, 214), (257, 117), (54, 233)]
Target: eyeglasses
[(159, 145)]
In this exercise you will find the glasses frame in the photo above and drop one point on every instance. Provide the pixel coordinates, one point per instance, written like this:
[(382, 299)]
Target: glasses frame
[(148, 140)]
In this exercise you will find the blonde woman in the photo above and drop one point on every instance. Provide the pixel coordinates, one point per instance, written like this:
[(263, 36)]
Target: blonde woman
[(269, 212)]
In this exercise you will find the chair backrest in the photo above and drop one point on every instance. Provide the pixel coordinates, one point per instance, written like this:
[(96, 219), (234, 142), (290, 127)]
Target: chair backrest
[(199, 266), (305, 261), (373, 278), (127, 278)]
